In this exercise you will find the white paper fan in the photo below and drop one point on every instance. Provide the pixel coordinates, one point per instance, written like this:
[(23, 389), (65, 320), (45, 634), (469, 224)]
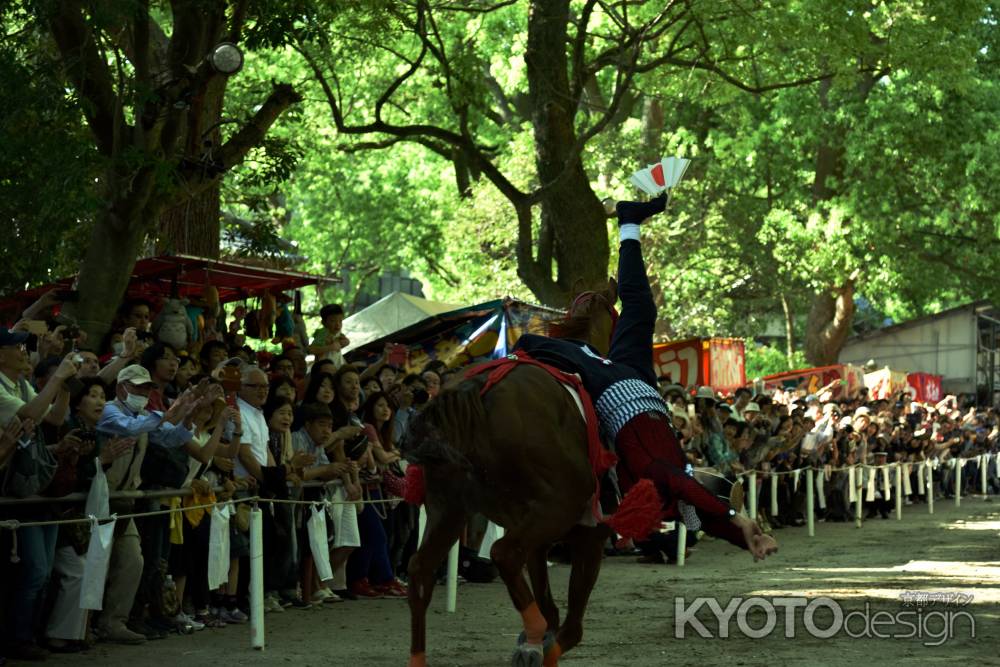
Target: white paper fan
[(664, 175)]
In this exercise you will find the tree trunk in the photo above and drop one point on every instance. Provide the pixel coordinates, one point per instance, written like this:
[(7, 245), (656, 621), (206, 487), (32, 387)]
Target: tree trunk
[(829, 324), (825, 333), (830, 317), (573, 211), (192, 227), (652, 130), (104, 275)]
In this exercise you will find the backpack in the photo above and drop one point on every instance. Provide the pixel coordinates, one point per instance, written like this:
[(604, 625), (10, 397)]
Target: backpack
[(165, 467)]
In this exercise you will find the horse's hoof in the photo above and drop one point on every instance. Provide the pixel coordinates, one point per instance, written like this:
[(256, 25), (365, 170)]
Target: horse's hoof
[(547, 641), (527, 657)]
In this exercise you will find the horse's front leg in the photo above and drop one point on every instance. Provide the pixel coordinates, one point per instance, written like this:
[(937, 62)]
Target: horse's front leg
[(444, 526), (538, 572), (512, 552), (588, 550)]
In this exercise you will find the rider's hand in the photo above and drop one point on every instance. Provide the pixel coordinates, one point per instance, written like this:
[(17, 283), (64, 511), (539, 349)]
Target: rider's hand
[(759, 544)]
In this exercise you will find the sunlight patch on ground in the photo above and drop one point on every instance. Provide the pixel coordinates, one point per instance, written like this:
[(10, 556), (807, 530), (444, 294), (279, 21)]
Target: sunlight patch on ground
[(979, 595), (857, 582), (974, 525)]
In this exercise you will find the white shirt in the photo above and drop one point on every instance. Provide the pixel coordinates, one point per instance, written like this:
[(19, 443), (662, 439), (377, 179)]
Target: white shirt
[(255, 435), (194, 465), (14, 394)]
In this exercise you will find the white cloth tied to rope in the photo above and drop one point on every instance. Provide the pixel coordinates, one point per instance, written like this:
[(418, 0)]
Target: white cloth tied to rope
[(218, 546), (318, 543), (95, 566)]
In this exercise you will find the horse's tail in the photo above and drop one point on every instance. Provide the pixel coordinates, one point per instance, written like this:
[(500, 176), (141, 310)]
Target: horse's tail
[(449, 428)]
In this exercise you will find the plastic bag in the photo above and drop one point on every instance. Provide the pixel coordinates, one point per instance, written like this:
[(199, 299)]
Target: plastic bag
[(345, 521), (218, 547), (95, 567), (318, 543), (97, 497), (492, 534)]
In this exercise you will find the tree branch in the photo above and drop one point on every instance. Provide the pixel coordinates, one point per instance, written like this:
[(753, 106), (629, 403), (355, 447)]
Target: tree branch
[(88, 72), (417, 133), (238, 21), (235, 150)]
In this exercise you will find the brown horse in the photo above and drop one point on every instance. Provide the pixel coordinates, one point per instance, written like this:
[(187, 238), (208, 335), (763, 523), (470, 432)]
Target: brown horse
[(518, 455)]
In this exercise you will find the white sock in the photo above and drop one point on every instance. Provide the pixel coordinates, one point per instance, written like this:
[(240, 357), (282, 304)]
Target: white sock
[(628, 231)]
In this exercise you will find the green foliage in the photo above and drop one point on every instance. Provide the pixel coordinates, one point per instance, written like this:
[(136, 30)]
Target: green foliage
[(48, 168), (764, 360), (903, 96)]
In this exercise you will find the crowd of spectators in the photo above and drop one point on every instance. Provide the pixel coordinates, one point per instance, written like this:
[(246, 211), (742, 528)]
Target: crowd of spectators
[(220, 421), (782, 430)]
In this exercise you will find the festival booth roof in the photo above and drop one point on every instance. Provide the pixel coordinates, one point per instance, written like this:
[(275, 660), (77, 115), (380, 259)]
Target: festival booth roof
[(155, 278), (390, 314), (461, 336)]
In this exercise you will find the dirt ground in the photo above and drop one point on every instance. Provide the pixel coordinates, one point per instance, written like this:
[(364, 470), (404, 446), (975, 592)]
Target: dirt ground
[(630, 621)]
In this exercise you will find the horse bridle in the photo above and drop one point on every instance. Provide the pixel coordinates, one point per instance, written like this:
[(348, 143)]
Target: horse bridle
[(584, 299)]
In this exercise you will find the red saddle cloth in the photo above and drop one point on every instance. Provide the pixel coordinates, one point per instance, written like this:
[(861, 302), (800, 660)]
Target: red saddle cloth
[(601, 459), (640, 511)]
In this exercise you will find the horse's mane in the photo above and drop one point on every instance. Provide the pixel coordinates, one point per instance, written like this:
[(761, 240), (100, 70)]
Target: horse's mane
[(585, 308), (449, 427), (576, 327)]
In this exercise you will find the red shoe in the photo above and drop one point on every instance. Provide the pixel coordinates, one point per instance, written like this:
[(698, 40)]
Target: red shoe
[(363, 589), (393, 589)]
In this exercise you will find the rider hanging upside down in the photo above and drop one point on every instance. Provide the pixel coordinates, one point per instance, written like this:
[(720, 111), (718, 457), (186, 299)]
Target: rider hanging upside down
[(623, 388)]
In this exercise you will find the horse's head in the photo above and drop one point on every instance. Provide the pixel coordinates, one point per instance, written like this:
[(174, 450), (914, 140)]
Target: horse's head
[(591, 317)]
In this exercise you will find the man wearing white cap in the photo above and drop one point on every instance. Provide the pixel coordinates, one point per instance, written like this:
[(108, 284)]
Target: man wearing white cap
[(127, 416)]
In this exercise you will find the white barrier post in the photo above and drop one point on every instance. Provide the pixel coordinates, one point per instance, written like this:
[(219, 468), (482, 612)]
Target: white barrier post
[(983, 465), (752, 496), (421, 524), (682, 539), (900, 471), (256, 578), (958, 482), (858, 497), (774, 494), (930, 487), (810, 501), (453, 578)]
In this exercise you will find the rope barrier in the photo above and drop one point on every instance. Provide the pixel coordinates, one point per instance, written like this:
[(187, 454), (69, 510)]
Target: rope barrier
[(14, 524)]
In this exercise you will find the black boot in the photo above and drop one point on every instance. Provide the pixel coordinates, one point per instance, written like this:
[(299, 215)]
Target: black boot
[(635, 212)]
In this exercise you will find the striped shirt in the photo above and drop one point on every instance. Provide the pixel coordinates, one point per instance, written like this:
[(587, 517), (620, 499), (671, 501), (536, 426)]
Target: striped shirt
[(622, 401)]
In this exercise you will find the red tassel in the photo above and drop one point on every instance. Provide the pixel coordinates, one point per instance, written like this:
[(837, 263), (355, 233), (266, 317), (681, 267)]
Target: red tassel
[(414, 490), (640, 512)]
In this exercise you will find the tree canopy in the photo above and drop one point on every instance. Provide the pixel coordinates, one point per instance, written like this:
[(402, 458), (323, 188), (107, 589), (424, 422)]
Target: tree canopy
[(841, 149)]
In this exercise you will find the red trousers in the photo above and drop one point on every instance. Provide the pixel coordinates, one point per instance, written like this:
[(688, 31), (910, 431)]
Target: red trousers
[(648, 448)]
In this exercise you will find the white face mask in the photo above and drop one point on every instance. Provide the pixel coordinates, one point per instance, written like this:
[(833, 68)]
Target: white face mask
[(118, 348), (134, 402)]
